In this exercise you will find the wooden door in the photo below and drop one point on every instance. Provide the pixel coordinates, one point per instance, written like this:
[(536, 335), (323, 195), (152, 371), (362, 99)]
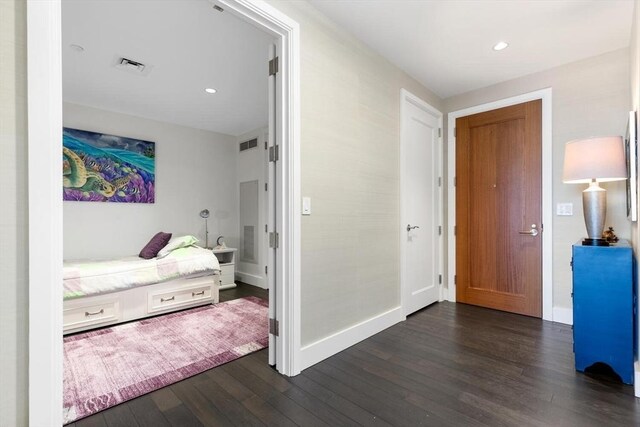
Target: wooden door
[(499, 209)]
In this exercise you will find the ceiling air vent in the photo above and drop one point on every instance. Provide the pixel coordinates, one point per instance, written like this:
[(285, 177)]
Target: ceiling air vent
[(249, 144), (130, 66)]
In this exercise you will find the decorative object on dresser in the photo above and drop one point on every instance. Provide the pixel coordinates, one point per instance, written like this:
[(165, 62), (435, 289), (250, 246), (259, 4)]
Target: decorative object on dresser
[(604, 307), (110, 366), (205, 215), (591, 161), (227, 259), (106, 168), (610, 236)]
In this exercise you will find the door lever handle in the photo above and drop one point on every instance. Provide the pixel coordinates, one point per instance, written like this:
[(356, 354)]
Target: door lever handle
[(411, 227), (533, 232)]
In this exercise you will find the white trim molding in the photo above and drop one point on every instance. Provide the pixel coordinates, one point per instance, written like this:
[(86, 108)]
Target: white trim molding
[(251, 279), (44, 81), (335, 343), (406, 96), (563, 315), (547, 190), (636, 380)]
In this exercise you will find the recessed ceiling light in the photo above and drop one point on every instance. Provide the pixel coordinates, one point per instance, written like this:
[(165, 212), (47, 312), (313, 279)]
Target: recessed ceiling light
[(210, 90), (500, 45), (77, 48)]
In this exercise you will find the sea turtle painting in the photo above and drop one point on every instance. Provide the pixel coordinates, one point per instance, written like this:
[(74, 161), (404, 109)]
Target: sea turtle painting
[(98, 167)]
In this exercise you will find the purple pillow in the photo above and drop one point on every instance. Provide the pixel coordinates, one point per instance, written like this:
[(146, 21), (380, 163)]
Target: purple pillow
[(156, 243)]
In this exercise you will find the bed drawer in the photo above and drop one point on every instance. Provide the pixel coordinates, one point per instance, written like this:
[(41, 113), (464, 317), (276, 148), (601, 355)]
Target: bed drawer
[(171, 299), (86, 314)]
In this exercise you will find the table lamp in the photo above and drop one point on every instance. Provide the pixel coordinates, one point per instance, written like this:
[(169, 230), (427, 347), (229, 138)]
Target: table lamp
[(591, 161)]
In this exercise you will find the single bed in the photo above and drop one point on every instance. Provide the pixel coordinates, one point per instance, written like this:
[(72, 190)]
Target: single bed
[(104, 292)]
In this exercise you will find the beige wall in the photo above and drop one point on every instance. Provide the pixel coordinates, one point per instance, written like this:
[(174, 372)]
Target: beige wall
[(13, 215), (590, 98), (350, 169), (634, 67)]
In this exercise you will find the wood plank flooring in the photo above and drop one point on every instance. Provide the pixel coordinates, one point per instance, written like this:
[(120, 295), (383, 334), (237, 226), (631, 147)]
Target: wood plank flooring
[(447, 365)]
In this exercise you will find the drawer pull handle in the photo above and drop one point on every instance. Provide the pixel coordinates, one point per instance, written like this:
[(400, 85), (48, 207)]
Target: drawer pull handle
[(193, 294), (167, 299), (88, 313)]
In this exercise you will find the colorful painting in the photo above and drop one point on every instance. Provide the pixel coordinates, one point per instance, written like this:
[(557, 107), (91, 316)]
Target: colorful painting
[(107, 168)]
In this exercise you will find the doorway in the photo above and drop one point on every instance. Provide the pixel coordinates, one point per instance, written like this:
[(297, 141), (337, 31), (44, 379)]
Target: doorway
[(45, 246), (420, 203), (545, 95), (499, 209)]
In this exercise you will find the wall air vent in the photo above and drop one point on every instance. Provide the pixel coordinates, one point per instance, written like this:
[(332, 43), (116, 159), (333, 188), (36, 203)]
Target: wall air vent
[(131, 66), (249, 144)]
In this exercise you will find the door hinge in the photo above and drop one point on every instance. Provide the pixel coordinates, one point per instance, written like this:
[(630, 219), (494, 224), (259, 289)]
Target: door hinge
[(455, 279), (439, 181), (274, 153), (266, 187), (273, 66), (266, 269), (266, 145), (274, 327), (439, 132), (439, 230), (440, 279), (265, 228), (454, 230), (455, 181), (274, 240), (454, 132)]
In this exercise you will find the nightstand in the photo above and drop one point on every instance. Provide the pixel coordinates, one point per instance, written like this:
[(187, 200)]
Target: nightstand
[(227, 259)]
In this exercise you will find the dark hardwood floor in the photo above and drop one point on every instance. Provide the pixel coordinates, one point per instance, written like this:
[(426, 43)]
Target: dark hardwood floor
[(447, 365)]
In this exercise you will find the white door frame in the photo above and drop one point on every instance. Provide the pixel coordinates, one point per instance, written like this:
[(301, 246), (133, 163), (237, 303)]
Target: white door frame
[(44, 82), (547, 190), (408, 97)]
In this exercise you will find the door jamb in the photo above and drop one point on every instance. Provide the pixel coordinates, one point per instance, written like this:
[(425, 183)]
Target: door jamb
[(44, 83), (547, 190), (408, 97)]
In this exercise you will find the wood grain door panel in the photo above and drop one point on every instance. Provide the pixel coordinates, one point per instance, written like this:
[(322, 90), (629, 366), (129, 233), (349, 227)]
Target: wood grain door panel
[(498, 194)]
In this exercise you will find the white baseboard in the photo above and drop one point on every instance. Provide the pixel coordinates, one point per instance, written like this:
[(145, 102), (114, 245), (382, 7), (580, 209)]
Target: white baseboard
[(563, 315), (251, 279), (326, 347), (636, 379)]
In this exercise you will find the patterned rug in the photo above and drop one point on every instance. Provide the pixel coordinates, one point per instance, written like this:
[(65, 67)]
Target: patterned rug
[(105, 367)]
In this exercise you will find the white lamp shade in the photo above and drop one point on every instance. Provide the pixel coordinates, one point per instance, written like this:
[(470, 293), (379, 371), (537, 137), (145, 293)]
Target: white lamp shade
[(602, 159)]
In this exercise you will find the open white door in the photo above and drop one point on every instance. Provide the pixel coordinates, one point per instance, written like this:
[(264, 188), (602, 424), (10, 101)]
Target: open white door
[(421, 227), (271, 210)]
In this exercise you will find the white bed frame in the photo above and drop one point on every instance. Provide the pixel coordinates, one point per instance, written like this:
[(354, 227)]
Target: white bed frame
[(91, 312)]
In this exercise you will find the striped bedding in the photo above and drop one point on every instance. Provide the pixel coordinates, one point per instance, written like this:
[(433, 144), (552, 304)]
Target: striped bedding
[(93, 277)]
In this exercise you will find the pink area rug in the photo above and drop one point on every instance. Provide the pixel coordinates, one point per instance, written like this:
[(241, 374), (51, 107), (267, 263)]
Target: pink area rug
[(105, 367)]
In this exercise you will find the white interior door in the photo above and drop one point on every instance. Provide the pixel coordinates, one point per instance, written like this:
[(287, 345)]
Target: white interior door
[(421, 226), (271, 210)]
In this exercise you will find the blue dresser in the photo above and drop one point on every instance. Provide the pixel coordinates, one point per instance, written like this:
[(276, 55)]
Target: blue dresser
[(604, 307)]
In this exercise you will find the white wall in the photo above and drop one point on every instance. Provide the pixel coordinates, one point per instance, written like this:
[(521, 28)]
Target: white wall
[(14, 251), (195, 169), (590, 98), (634, 68), (252, 165)]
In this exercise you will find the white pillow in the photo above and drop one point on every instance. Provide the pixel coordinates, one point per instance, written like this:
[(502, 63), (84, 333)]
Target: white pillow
[(177, 243)]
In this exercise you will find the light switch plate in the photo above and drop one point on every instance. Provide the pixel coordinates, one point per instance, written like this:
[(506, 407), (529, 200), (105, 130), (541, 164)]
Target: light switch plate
[(306, 206), (565, 209)]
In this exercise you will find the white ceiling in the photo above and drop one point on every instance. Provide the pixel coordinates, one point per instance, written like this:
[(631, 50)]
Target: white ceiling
[(189, 45), (447, 44)]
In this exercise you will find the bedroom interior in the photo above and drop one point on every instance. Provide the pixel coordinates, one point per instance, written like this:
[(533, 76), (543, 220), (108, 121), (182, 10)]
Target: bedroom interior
[(443, 361), (164, 136)]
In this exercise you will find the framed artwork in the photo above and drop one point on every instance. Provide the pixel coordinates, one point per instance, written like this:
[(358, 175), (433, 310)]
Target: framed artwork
[(631, 148), (97, 167)]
